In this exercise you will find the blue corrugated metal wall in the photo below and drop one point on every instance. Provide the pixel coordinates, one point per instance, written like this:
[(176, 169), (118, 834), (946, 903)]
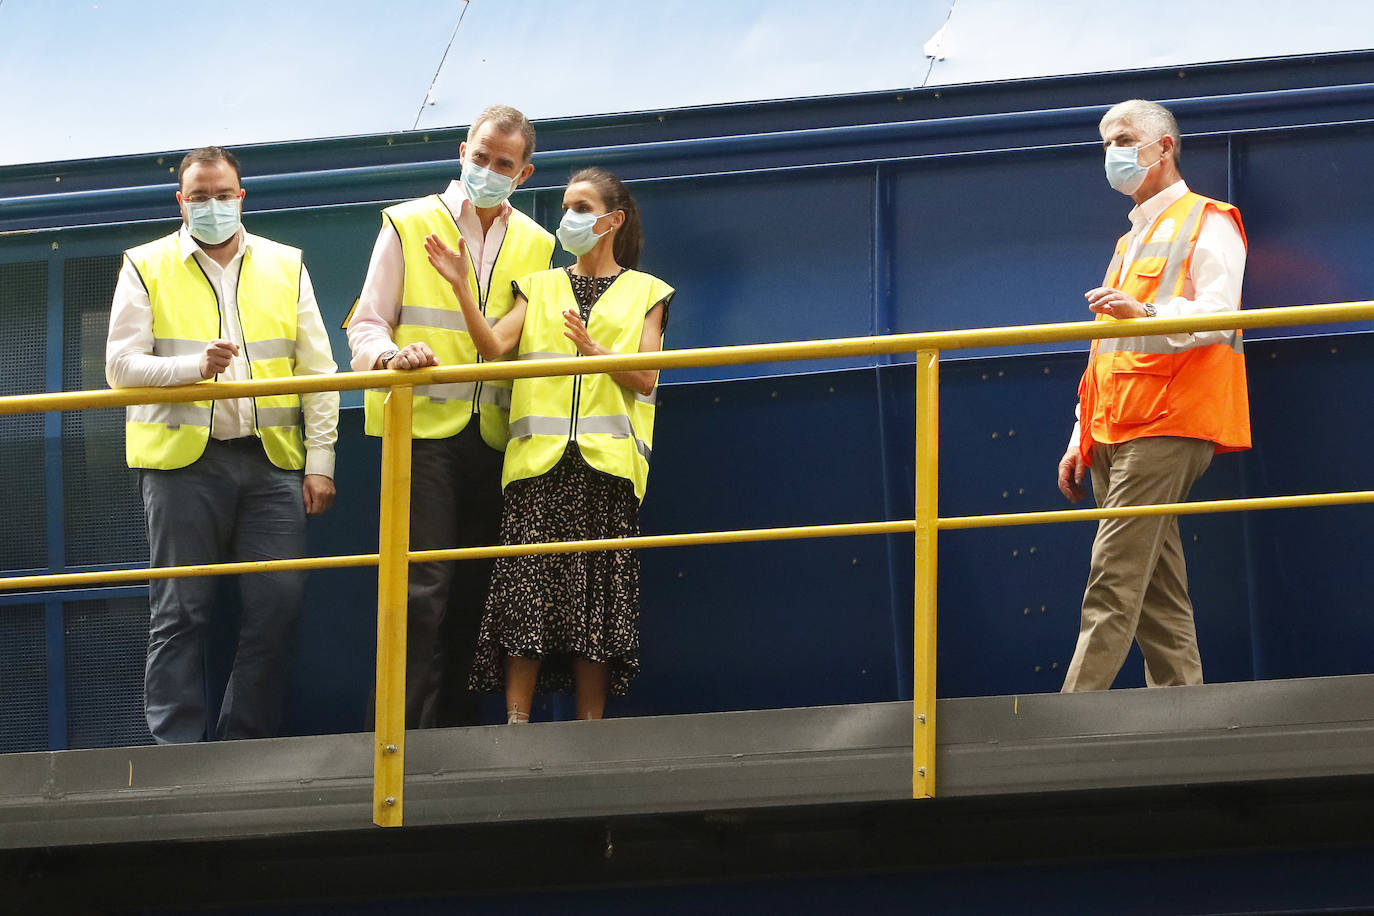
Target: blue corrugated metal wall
[(965, 207)]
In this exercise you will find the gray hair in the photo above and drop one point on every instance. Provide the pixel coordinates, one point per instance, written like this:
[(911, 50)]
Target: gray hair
[(506, 120), (1150, 117)]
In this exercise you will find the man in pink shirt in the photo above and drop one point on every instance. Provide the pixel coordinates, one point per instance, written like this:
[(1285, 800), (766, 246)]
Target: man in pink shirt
[(408, 317)]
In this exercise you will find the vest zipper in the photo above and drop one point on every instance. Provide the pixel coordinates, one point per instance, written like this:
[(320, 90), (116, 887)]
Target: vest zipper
[(219, 331), (482, 294), (577, 379), (248, 363)]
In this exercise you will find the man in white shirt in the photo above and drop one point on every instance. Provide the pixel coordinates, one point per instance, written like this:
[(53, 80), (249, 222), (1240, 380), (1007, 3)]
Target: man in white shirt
[(1153, 409), (222, 480), (408, 317)]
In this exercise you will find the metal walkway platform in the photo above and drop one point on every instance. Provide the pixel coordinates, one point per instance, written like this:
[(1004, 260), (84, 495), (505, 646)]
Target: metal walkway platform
[(790, 758)]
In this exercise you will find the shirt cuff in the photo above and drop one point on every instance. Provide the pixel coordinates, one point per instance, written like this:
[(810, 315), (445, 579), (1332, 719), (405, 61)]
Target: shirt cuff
[(320, 461), (186, 369), (1174, 308)]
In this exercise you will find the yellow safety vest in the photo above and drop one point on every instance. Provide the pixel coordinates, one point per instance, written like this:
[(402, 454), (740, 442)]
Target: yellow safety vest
[(1147, 386), (430, 313), (612, 425), (186, 317)]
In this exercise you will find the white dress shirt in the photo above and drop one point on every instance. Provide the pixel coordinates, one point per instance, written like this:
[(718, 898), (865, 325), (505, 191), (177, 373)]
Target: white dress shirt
[(379, 305), (130, 363), (1212, 285)]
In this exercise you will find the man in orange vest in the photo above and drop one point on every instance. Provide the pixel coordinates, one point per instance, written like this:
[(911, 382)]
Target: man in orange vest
[(1153, 409)]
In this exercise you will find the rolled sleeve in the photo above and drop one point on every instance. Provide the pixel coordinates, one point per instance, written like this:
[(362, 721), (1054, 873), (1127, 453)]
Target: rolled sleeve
[(1217, 273), (378, 311)]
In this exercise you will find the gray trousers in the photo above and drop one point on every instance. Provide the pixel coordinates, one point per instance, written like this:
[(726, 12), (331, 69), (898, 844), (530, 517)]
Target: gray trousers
[(1138, 584), (232, 504)]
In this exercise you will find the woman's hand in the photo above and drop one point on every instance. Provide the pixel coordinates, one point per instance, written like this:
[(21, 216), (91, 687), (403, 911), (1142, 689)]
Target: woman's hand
[(452, 265), (576, 331)]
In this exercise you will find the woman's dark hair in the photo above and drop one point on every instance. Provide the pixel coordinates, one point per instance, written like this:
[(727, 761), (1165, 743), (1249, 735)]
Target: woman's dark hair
[(613, 193)]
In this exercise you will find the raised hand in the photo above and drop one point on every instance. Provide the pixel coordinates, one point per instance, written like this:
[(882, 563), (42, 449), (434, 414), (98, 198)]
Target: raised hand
[(452, 265), (576, 331)]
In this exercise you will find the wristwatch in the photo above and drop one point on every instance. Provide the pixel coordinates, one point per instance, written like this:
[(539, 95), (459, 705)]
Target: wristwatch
[(1150, 311), (388, 356)]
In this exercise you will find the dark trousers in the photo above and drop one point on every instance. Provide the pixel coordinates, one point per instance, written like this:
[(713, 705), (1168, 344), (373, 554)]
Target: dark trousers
[(232, 504), (455, 501)]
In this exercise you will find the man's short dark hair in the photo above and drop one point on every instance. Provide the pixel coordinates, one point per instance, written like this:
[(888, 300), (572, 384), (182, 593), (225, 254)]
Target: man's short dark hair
[(209, 154)]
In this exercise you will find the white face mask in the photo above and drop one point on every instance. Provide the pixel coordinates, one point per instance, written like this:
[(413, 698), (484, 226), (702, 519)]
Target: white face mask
[(1124, 171), (576, 231), (484, 187), (213, 221)]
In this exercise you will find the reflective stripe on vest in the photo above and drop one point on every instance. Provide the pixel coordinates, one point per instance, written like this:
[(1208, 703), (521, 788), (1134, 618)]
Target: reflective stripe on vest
[(186, 316), (430, 314), (1150, 386), (613, 426)]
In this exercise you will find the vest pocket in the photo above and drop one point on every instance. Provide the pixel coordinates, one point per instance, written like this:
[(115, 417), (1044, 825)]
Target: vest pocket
[(1140, 387)]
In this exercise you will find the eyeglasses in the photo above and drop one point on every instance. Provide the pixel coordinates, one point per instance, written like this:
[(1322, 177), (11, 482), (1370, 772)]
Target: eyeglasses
[(224, 198)]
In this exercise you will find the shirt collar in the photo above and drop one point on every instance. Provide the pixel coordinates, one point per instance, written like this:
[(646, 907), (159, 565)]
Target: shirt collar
[(1148, 212), (189, 247), (457, 200)]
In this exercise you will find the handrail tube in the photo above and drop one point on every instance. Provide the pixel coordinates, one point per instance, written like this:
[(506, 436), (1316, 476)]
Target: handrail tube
[(926, 525), (694, 539), (393, 575), (880, 345), (107, 576), (43, 205), (646, 541), (1306, 500)]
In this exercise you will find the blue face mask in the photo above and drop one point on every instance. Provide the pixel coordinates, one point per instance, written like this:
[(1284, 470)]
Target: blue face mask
[(213, 221), (484, 187), (1124, 171), (576, 231)]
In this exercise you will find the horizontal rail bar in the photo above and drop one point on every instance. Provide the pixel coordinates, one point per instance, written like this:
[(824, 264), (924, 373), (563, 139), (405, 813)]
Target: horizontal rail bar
[(881, 345), (738, 536), (1200, 507), (82, 579)]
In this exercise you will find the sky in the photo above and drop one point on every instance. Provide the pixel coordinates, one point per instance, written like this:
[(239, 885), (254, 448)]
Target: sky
[(82, 80)]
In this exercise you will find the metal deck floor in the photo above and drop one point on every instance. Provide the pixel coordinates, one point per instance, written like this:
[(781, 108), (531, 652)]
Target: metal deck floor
[(736, 761)]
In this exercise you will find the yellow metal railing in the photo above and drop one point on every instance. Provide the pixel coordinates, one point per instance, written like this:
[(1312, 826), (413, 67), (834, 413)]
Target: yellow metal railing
[(393, 557)]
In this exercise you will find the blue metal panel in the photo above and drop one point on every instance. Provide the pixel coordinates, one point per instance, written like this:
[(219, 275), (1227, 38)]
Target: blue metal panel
[(761, 258), (765, 625), (1306, 203), (985, 242), (332, 672), (1311, 575)]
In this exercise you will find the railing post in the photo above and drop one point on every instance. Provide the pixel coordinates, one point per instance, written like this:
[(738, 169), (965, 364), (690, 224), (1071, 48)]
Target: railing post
[(393, 575), (927, 530)]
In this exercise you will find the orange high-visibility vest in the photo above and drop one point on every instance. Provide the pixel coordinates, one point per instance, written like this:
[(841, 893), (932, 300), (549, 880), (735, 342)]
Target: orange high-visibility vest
[(1145, 386)]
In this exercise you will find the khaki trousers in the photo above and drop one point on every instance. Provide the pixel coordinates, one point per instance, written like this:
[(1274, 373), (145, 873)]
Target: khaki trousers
[(1138, 585)]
